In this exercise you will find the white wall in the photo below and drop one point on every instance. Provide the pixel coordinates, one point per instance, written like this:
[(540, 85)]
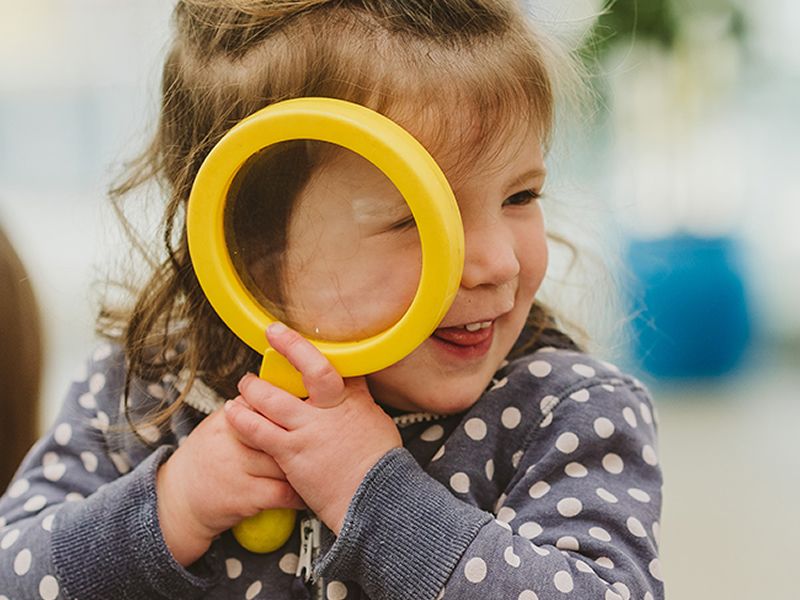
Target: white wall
[(78, 81)]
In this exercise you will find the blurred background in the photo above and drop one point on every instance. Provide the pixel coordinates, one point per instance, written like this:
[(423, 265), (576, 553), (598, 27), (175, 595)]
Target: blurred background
[(680, 186)]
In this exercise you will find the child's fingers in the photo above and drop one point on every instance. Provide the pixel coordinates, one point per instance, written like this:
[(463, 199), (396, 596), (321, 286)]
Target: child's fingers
[(275, 493), (325, 386), (258, 464), (276, 404), (255, 430)]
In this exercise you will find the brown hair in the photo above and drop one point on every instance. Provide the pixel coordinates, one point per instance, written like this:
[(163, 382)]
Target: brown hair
[(409, 59), (20, 362)]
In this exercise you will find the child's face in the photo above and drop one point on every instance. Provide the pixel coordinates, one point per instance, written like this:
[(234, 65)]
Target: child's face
[(371, 267)]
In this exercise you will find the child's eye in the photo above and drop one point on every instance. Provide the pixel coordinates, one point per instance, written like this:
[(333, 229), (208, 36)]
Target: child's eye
[(522, 198), (407, 223)]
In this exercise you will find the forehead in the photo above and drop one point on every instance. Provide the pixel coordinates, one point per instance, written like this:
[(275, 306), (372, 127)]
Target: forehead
[(468, 144)]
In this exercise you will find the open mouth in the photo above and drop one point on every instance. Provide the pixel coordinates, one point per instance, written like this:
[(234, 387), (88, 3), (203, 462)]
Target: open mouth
[(466, 341)]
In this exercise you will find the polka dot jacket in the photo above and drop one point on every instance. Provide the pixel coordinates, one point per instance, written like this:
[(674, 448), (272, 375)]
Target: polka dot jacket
[(549, 487)]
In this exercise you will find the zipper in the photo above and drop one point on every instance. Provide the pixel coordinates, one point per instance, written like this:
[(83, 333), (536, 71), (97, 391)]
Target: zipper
[(414, 418), (309, 550)]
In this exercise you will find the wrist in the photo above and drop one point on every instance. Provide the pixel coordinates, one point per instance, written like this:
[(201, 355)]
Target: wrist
[(186, 538), (334, 513)]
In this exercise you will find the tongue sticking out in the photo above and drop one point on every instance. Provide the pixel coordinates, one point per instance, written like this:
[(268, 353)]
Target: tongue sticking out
[(461, 337)]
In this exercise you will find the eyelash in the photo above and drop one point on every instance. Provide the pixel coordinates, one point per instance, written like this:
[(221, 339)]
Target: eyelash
[(407, 223), (523, 198)]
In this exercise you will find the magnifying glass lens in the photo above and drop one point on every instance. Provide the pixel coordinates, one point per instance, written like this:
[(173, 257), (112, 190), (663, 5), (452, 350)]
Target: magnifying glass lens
[(323, 240)]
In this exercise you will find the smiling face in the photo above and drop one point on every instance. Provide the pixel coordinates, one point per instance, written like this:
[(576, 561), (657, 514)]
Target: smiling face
[(352, 264), (505, 263)]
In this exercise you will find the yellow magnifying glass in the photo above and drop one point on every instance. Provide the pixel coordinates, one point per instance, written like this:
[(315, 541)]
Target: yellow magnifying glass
[(424, 188)]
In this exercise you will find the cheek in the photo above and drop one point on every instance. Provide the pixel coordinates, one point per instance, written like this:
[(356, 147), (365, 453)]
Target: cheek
[(533, 258), (354, 295)]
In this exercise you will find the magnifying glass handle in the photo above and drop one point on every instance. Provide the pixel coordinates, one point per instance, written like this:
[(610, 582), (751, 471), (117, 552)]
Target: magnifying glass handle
[(278, 371), (270, 529)]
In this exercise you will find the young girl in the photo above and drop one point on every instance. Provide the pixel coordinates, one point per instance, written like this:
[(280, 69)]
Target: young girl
[(495, 461)]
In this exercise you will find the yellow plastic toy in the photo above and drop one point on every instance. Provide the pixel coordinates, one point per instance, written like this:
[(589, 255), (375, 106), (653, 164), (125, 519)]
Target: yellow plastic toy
[(431, 201)]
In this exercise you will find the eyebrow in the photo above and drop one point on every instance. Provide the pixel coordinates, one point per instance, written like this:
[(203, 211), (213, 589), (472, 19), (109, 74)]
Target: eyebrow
[(527, 175)]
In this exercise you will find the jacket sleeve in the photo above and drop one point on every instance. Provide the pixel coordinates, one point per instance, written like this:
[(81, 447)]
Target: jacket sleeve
[(579, 518), (78, 520)]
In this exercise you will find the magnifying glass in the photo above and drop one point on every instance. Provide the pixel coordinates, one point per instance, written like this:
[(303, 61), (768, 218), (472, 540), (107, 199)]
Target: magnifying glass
[(249, 255)]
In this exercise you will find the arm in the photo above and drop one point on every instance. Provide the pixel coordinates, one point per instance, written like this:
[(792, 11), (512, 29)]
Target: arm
[(563, 531), (401, 534), (77, 512)]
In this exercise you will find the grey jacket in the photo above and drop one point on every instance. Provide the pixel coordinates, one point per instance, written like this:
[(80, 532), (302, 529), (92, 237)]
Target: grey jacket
[(549, 487)]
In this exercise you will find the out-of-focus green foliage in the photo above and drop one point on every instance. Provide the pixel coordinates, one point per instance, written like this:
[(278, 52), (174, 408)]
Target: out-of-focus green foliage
[(658, 21), (645, 19)]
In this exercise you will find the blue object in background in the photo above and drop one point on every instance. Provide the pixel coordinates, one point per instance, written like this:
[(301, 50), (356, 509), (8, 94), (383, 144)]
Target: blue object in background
[(690, 311)]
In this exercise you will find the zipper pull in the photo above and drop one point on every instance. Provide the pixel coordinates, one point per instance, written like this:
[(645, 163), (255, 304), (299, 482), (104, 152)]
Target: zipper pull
[(309, 547)]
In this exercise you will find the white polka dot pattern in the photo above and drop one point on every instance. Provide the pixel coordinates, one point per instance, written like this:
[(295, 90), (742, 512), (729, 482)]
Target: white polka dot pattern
[(433, 433), (530, 530), (604, 427), (539, 489), (639, 495), (563, 582), (605, 562), (601, 449), (613, 463), (22, 562), (62, 434), (288, 563), (569, 507), (18, 488), (475, 570), (35, 503), (476, 429), (48, 588), (584, 370), (511, 417), (563, 449), (460, 483), (506, 514), (511, 558), (583, 567), (8, 539), (568, 542), (622, 590), (575, 469), (47, 522), (540, 368), (580, 396), (233, 568), (254, 590), (336, 591), (567, 442)]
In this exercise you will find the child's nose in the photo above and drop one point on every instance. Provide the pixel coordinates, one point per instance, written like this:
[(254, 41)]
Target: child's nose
[(490, 256)]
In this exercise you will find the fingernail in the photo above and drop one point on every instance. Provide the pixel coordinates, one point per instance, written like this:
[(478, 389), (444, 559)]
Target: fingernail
[(277, 328), (245, 377), (228, 406)]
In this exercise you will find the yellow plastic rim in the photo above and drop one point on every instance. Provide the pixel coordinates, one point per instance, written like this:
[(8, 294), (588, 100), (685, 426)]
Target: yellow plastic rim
[(391, 149)]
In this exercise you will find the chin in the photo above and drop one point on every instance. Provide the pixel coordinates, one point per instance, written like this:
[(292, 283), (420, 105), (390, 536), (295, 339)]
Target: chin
[(447, 399), (452, 405)]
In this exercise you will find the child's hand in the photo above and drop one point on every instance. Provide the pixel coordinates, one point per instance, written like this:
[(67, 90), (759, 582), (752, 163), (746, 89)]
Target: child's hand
[(324, 446), (212, 482)]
